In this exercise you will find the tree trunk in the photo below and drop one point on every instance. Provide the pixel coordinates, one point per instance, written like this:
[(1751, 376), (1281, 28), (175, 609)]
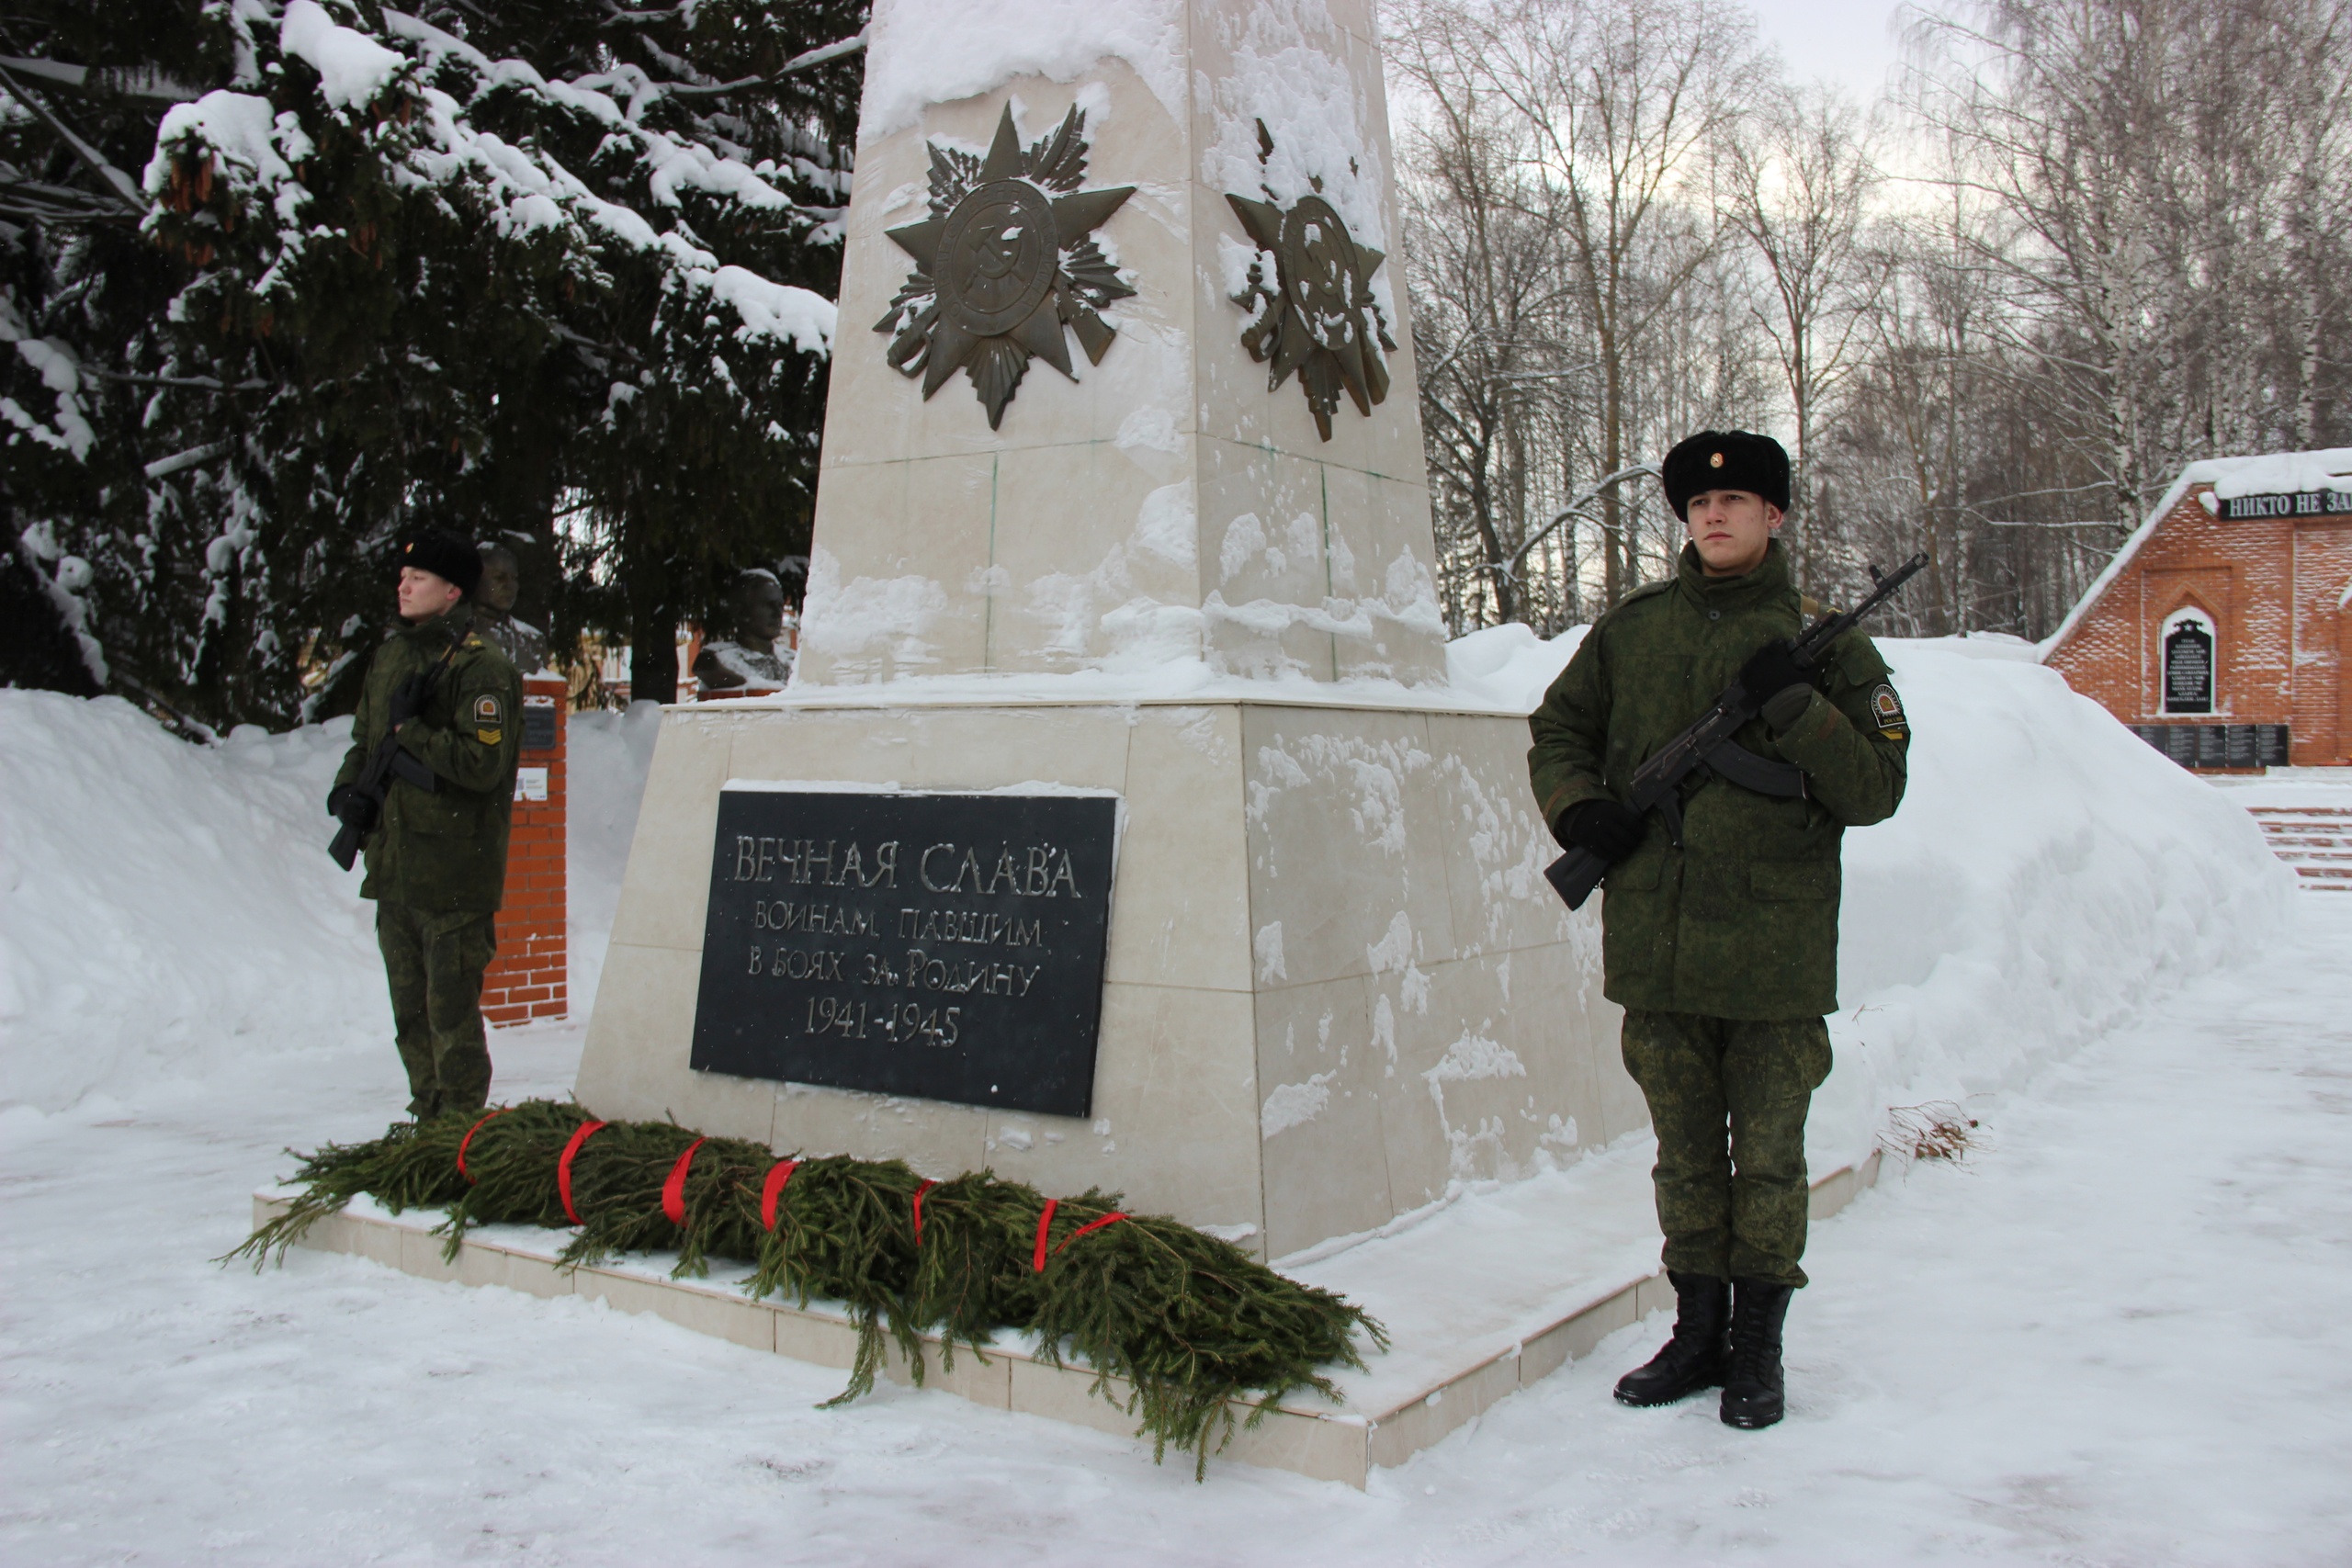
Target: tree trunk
[(652, 636)]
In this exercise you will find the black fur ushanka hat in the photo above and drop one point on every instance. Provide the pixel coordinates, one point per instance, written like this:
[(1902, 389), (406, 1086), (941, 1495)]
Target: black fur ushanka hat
[(1725, 459)]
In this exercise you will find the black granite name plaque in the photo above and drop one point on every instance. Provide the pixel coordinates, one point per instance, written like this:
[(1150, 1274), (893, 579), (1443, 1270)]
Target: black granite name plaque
[(944, 946), (2188, 669)]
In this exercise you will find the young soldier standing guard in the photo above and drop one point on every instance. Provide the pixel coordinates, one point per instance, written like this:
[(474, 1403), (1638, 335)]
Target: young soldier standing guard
[(1723, 949), (437, 861)]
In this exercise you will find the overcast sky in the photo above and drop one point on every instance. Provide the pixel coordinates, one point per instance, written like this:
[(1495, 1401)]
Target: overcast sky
[(1849, 43)]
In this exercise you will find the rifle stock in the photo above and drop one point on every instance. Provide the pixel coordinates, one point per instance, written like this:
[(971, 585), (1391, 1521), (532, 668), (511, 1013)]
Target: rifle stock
[(1655, 783), (1574, 875), (347, 839)]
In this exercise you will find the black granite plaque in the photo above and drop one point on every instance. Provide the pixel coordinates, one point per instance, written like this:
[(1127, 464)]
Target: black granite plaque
[(2188, 669), (538, 724), (2270, 746), (944, 946)]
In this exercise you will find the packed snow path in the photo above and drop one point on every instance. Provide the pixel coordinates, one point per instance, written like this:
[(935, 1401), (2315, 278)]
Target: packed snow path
[(2115, 1334)]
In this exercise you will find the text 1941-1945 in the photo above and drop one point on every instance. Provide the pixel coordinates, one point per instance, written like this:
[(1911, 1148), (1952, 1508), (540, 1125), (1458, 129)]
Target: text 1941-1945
[(944, 946)]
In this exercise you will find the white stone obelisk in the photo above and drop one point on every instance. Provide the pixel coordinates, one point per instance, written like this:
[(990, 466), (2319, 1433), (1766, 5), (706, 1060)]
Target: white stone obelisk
[(1335, 981)]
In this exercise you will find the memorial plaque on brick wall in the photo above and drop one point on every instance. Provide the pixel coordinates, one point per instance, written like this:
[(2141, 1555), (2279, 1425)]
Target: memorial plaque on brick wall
[(2188, 669), (942, 946), (538, 724)]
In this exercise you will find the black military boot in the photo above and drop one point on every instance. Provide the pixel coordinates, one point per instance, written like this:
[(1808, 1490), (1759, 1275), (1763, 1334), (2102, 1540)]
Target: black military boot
[(1695, 1357), (1754, 1390)]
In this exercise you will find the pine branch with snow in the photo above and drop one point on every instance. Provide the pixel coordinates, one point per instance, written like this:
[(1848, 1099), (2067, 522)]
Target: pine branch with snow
[(447, 267)]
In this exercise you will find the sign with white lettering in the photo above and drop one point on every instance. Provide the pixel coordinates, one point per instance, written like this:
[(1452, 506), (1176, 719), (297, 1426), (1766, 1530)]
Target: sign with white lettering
[(2188, 668), (944, 946), (2286, 503)]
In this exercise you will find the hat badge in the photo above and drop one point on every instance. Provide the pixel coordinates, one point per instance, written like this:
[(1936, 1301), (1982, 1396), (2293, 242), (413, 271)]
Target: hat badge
[(1716, 461)]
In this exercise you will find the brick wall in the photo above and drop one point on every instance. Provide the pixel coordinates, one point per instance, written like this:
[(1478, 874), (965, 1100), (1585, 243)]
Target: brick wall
[(2269, 588), (527, 978)]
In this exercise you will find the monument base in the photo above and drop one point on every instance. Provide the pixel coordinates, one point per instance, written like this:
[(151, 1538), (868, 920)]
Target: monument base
[(1480, 1300), (1335, 986)]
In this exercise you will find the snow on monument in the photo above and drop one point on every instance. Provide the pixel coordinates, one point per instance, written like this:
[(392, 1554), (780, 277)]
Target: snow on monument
[(1118, 828)]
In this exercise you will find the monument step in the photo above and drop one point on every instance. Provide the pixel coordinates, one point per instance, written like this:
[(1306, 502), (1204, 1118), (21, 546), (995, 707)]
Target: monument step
[(1481, 1298)]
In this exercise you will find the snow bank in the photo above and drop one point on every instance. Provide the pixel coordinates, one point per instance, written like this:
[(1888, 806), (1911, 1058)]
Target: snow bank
[(2048, 875), (163, 905)]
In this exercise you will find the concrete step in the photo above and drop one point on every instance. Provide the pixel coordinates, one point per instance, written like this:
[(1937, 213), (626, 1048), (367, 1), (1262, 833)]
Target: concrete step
[(2317, 840)]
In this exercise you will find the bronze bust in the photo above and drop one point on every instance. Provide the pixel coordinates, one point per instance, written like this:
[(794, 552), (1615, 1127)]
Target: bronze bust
[(494, 622), (747, 661)]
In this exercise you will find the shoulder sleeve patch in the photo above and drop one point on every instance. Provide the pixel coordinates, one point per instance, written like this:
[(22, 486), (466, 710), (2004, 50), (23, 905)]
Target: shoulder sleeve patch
[(1886, 712), (489, 718)]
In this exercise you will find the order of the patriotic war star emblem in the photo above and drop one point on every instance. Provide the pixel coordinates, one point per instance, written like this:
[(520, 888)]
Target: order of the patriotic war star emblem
[(1002, 266), (1318, 316)]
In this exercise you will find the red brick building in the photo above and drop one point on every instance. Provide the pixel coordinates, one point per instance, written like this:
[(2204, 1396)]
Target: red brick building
[(2223, 630)]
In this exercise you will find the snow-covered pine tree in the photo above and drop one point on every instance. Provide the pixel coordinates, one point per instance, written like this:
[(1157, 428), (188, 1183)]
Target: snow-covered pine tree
[(288, 275)]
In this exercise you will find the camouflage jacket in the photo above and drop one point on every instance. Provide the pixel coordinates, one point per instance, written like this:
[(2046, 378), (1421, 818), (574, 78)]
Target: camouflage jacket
[(443, 850), (1742, 920)]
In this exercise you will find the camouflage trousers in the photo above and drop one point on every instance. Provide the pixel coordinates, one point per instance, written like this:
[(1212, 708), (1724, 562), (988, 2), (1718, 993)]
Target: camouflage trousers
[(434, 964), (1728, 1097)]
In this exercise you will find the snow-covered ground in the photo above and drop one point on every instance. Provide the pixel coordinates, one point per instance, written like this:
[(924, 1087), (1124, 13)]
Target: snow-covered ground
[(2114, 1336), (2111, 1336)]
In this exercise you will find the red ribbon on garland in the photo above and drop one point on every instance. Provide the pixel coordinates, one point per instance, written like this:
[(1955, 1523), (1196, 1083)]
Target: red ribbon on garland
[(466, 1141), (778, 1174), (927, 1185), (673, 1192), (1110, 1219), (1045, 1222), (564, 1168)]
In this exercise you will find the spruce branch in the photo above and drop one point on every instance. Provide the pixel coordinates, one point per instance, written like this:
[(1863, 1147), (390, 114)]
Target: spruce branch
[(1191, 1327)]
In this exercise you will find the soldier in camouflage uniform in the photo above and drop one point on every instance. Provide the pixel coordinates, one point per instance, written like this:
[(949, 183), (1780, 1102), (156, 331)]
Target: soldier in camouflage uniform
[(1722, 949), (436, 863)]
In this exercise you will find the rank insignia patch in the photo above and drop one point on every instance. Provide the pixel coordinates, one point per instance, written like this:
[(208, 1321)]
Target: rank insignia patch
[(1886, 709)]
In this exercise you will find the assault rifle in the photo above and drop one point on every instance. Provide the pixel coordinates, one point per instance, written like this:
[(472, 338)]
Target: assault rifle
[(1658, 782), (359, 805)]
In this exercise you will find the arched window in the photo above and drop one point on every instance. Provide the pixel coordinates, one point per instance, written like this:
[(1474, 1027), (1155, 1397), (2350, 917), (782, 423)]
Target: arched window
[(2189, 647)]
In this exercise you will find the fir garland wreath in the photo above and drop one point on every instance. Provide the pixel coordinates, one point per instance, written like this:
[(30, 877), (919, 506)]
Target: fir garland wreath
[(1192, 1324)]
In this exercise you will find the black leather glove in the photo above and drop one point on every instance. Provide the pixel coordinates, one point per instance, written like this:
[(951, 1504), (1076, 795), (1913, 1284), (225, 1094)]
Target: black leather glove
[(1602, 826), (1770, 670), (407, 697), (350, 805)]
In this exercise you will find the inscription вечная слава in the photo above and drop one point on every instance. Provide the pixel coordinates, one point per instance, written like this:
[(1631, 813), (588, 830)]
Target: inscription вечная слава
[(945, 946)]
